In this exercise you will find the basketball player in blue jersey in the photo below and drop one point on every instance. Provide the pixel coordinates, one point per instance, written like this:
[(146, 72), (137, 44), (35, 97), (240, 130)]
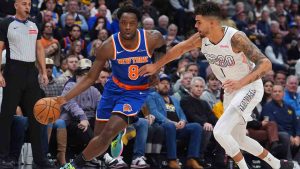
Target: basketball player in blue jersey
[(125, 91), (239, 65)]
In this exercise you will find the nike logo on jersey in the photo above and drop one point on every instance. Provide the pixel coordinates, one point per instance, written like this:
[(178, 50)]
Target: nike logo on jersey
[(141, 50), (141, 93), (15, 27), (206, 44), (118, 52)]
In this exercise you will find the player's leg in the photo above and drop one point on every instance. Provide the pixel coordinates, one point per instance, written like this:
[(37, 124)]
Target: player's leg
[(222, 132)]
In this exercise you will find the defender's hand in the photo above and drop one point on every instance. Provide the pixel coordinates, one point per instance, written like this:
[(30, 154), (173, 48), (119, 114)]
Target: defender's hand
[(148, 70)]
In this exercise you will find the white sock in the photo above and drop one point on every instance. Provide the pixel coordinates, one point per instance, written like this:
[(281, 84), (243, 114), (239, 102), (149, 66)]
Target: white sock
[(272, 161), (242, 164)]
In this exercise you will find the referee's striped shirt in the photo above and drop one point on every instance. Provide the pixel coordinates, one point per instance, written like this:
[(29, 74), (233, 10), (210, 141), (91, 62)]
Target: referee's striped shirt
[(19, 38)]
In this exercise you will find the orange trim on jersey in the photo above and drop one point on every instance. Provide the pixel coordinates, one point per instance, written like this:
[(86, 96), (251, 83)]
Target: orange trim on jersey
[(146, 44), (129, 87), (134, 49), (128, 115), (114, 48)]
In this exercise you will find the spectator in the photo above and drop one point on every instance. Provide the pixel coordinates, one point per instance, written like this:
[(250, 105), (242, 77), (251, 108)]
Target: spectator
[(100, 82), (225, 17), (72, 62), (70, 21), (269, 76), (211, 94), (280, 78), (285, 117), (278, 12), (292, 37), (183, 14), (277, 53), (180, 69), (291, 96), (95, 44), (101, 13), (148, 23), (163, 23), (168, 113), (98, 25), (76, 49), (74, 35), (94, 11), (171, 37), (50, 6), (270, 6), (73, 8), (148, 10), (78, 113), (199, 111), (294, 53), (184, 86), (193, 68), (47, 35)]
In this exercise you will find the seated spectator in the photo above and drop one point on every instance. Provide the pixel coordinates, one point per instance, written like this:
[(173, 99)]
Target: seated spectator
[(72, 65), (199, 111), (280, 78), (168, 113), (74, 35), (184, 85), (70, 21), (285, 117), (99, 24), (270, 75), (291, 96), (211, 93), (100, 82), (76, 49), (180, 68), (277, 53), (73, 8), (163, 23), (148, 23)]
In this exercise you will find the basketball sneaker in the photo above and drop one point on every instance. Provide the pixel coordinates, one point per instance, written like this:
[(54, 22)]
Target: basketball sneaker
[(68, 166), (285, 164), (139, 162), (116, 146)]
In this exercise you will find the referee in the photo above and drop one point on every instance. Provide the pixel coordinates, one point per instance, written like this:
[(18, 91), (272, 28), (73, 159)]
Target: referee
[(21, 38)]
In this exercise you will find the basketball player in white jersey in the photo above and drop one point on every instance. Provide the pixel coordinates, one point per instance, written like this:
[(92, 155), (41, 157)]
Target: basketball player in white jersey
[(239, 65)]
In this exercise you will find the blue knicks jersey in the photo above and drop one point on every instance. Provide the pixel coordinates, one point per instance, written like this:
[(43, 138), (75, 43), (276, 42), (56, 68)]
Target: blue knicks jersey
[(125, 66)]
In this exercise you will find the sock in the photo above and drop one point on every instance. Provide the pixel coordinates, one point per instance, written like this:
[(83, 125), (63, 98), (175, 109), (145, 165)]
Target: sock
[(272, 161), (79, 161), (242, 164)]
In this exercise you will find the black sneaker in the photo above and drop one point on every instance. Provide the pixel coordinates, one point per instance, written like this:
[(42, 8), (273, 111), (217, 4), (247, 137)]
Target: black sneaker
[(44, 165), (285, 164), (4, 164)]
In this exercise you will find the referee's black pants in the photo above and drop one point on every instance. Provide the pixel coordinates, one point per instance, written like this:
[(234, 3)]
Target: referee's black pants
[(22, 88)]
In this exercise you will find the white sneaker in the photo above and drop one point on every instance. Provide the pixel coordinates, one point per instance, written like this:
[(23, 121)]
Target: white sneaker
[(139, 162), (121, 163), (109, 161)]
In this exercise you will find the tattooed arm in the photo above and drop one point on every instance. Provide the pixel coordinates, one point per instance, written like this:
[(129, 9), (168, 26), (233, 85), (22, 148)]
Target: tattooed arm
[(241, 43)]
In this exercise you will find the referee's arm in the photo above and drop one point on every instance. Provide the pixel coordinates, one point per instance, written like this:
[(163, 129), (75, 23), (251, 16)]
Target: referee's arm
[(41, 61)]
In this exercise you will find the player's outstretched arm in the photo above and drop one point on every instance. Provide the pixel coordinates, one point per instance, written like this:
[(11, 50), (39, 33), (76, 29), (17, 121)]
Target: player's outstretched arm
[(103, 53), (241, 43), (181, 48)]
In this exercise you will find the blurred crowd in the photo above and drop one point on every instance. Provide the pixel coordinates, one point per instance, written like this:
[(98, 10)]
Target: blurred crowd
[(187, 92)]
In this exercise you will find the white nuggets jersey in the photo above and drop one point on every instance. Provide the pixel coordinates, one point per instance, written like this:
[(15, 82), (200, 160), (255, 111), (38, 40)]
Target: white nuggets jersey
[(228, 65), (225, 63)]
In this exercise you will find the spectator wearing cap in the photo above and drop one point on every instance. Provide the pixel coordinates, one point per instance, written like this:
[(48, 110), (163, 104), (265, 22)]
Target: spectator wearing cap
[(292, 37), (79, 113), (168, 113)]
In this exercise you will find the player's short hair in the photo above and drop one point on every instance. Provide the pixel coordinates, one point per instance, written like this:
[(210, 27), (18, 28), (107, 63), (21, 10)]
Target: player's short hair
[(129, 9), (209, 9)]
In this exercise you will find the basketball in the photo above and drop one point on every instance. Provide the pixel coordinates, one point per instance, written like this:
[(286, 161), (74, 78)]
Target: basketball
[(46, 110)]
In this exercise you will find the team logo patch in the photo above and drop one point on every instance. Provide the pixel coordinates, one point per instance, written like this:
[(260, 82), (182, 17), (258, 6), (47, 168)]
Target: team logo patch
[(32, 31), (247, 99), (127, 108)]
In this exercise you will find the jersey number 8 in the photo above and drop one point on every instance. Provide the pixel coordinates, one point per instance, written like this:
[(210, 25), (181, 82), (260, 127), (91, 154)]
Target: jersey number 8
[(133, 72)]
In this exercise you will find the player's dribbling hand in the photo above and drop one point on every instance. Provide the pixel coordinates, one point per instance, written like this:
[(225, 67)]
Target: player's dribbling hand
[(231, 85), (148, 69), (44, 79), (83, 125), (2, 81), (60, 100)]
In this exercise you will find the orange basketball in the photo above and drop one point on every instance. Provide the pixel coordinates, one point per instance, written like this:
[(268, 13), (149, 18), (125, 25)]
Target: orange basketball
[(46, 110)]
